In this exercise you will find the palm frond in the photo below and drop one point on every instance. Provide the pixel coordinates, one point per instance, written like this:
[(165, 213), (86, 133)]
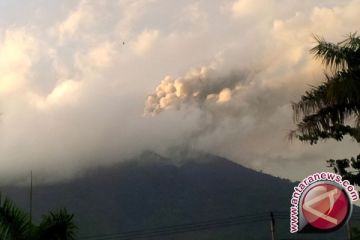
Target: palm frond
[(332, 55), (323, 110), (14, 223), (340, 55), (57, 225)]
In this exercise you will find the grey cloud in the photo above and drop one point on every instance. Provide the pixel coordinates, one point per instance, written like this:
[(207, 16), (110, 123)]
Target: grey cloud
[(85, 108), (201, 87)]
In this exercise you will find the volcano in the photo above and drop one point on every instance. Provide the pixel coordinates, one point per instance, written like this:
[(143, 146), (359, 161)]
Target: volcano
[(152, 191)]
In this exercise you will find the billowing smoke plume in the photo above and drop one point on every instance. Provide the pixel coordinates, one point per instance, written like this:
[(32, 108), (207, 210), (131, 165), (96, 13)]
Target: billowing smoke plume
[(202, 87), (72, 95)]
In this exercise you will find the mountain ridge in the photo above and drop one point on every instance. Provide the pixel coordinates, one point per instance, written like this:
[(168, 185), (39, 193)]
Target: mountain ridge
[(152, 191)]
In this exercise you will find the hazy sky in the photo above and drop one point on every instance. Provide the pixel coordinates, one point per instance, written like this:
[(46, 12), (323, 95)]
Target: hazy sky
[(217, 76)]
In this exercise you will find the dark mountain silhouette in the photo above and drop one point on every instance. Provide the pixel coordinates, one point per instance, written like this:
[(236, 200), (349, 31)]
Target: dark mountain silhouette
[(153, 191)]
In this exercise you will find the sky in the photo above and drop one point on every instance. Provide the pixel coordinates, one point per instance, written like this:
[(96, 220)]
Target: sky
[(88, 83)]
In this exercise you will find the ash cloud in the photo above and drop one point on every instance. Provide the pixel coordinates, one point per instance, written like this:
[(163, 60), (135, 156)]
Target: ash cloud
[(72, 94), (200, 87)]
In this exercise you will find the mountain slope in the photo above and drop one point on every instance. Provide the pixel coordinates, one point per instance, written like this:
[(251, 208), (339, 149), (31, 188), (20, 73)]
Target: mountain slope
[(152, 191)]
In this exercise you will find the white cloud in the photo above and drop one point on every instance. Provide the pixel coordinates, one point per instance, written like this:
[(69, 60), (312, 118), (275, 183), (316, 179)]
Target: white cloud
[(80, 103), (245, 8), (131, 13), (74, 21), (144, 41), (96, 58), (101, 54), (224, 95), (193, 15), (65, 93), (17, 53), (280, 43)]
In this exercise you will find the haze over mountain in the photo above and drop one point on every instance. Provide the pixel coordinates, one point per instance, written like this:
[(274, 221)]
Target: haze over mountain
[(86, 84), (153, 191), (217, 75)]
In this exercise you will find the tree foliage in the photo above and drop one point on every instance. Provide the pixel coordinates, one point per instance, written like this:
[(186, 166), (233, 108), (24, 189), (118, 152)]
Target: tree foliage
[(15, 224), (332, 109)]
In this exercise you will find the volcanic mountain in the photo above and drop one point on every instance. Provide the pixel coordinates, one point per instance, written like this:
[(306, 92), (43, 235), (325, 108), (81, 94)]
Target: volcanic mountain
[(198, 196)]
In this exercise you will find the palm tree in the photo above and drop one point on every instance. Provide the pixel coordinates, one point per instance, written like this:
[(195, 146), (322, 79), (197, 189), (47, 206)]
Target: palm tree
[(332, 109), (327, 111), (15, 224)]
